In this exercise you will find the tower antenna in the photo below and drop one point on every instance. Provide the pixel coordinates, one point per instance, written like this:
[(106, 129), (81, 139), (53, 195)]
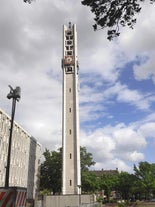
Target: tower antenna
[(70, 25)]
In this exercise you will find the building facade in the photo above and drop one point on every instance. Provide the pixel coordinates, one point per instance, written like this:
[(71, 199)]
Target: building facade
[(71, 175), (25, 157)]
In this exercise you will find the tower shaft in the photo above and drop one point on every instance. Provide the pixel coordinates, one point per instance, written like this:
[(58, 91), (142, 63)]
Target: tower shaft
[(71, 175)]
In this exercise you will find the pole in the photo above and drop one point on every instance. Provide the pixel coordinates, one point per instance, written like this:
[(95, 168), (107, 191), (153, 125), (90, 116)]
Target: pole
[(15, 95), (10, 142)]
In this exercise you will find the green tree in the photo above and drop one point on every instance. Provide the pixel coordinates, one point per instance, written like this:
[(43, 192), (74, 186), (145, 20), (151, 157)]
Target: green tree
[(125, 186), (145, 174), (113, 14), (86, 159), (90, 182), (51, 168), (28, 1), (109, 183)]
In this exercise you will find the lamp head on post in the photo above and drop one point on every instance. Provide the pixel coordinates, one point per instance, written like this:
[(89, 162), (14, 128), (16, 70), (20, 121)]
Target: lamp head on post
[(14, 93)]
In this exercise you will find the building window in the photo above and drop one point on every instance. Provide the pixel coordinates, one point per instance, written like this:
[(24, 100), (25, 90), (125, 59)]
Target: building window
[(70, 131), (69, 69), (69, 32), (69, 52), (69, 42), (70, 110), (70, 156), (70, 90), (70, 182)]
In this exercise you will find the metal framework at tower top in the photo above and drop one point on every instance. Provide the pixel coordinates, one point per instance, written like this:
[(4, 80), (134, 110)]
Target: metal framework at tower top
[(71, 172)]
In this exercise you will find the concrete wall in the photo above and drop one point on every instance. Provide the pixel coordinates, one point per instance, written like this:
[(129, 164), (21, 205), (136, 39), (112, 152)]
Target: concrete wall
[(67, 200)]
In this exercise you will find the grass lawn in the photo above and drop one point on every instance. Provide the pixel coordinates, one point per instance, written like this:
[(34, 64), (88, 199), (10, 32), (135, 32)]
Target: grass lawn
[(144, 205)]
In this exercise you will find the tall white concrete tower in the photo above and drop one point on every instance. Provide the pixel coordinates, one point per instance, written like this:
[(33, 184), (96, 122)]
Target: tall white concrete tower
[(71, 173)]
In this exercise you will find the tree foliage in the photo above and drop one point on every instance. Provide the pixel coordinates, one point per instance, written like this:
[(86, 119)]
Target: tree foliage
[(145, 174), (90, 182), (51, 168), (139, 185), (109, 183), (28, 1), (113, 14), (86, 159), (125, 186)]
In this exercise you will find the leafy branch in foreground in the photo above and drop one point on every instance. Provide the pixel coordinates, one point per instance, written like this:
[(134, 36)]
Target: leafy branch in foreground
[(28, 1), (113, 14)]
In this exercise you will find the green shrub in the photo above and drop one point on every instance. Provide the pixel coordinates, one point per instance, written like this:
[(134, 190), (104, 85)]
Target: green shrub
[(121, 204)]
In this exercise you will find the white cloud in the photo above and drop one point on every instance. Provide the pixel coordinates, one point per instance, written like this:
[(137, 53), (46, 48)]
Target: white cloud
[(95, 98), (113, 146), (126, 95), (147, 70), (135, 156), (141, 38), (140, 42), (148, 129), (121, 165), (128, 139)]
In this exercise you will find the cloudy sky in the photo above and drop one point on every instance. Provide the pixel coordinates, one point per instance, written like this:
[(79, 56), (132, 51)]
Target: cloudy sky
[(117, 79)]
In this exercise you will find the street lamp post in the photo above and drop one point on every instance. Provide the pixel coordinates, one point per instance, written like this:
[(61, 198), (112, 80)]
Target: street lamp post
[(79, 189), (15, 94)]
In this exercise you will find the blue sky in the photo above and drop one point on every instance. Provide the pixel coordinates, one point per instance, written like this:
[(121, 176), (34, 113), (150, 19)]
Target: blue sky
[(116, 79)]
